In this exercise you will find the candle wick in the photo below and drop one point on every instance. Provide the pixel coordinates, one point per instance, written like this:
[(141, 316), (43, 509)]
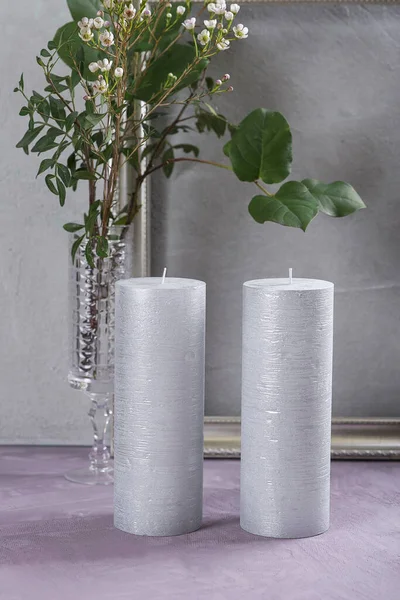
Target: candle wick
[(290, 276), (164, 275)]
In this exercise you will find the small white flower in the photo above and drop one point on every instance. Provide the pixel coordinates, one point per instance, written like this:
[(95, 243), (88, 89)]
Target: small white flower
[(100, 86), (180, 10), (106, 39), (211, 24), (105, 64), (189, 24), (241, 32), (229, 16), (223, 44), (118, 72), (235, 8), (98, 22), (224, 31), (129, 12), (108, 3), (85, 23), (219, 7), (146, 12), (204, 37), (211, 7), (93, 67), (169, 15), (86, 34)]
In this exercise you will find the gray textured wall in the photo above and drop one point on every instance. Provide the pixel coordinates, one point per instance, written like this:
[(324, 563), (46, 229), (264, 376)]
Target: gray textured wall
[(334, 72), (36, 403)]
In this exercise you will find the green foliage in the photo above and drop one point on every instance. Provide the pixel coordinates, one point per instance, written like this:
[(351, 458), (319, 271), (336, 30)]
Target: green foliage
[(337, 199), (292, 206), (176, 60), (83, 8), (261, 147), (74, 52)]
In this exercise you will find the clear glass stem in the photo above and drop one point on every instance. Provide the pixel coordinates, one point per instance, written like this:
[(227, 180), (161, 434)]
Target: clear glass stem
[(100, 414)]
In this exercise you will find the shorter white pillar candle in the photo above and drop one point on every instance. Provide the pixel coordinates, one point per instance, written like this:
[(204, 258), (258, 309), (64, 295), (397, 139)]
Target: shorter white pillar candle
[(159, 405), (286, 406)]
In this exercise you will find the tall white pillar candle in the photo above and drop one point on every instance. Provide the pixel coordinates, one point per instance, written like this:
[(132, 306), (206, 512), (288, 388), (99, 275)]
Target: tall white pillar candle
[(159, 405), (286, 407)]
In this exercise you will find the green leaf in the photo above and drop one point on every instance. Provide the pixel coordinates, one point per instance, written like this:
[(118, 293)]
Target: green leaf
[(89, 255), (227, 149), (188, 148), (168, 166), (61, 191), (64, 174), (72, 227), (47, 163), (293, 205), (21, 84), (83, 174), (50, 184), (211, 121), (337, 199), (261, 147), (44, 144), (102, 247), (56, 108), (29, 137), (45, 53), (24, 111), (175, 60), (95, 119), (83, 8), (70, 46), (76, 245), (70, 120)]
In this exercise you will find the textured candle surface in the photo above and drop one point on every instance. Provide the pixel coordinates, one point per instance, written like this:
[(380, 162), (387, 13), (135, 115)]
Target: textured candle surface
[(159, 405), (286, 407)]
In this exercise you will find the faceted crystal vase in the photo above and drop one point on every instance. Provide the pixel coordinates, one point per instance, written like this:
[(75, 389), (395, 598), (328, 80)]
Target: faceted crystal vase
[(91, 335)]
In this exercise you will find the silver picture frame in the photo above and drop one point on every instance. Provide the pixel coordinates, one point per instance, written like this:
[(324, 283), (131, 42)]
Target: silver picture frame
[(352, 438)]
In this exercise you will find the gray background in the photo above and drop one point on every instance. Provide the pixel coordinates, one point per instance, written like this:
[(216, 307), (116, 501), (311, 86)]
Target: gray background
[(333, 71)]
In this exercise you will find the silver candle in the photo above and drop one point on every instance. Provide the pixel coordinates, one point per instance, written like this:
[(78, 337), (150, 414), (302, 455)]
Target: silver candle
[(286, 407), (159, 405)]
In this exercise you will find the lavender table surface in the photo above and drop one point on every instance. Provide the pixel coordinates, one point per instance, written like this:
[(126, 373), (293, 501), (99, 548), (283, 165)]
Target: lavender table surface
[(57, 540)]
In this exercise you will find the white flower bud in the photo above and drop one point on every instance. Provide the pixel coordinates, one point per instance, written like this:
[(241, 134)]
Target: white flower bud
[(218, 82), (229, 16), (105, 65), (230, 89), (98, 22), (235, 8), (118, 72), (93, 67), (169, 15), (180, 10), (224, 31), (189, 24), (226, 77), (146, 12), (108, 3), (211, 24), (100, 13)]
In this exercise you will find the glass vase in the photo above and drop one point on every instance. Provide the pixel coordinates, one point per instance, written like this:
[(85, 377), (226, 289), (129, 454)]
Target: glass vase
[(91, 334)]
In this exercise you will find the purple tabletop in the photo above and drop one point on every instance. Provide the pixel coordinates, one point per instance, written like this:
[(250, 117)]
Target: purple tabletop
[(58, 542)]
